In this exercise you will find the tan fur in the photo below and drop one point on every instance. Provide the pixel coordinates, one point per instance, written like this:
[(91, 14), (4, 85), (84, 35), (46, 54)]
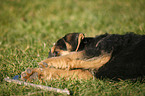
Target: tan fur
[(75, 60), (70, 61), (52, 73), (80, 38), (52, 49), (68, 46)]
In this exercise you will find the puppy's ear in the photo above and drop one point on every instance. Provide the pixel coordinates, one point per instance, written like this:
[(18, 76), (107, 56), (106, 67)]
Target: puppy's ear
[(73, 40), (80, 38)]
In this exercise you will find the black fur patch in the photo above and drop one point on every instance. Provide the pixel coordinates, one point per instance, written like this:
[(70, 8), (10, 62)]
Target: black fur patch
[(128, 57)]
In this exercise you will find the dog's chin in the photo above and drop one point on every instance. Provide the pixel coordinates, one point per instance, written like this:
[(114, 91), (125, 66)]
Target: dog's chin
[(64, 53)]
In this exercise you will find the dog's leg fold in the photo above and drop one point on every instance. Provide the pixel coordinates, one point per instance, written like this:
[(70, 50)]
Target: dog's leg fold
[(93, 63)]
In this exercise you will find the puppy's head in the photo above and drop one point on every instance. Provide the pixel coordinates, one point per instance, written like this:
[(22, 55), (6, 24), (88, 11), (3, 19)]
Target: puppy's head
[(70, 42)]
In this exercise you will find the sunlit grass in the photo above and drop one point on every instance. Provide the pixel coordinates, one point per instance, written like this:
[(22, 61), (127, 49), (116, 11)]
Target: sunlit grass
[(28, 28)]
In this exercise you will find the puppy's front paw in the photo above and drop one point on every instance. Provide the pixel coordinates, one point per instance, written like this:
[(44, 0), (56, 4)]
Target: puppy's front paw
[(31, 74)]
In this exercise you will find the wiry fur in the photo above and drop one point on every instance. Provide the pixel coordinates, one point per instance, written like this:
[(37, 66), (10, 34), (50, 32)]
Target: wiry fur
[(109, 56), (128, 55)]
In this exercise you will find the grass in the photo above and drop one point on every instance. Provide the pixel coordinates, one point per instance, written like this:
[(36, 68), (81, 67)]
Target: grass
[(28, 28)]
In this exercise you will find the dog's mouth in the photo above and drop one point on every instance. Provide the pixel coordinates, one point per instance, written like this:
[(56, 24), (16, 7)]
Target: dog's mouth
[(54, 54), (58, 53)]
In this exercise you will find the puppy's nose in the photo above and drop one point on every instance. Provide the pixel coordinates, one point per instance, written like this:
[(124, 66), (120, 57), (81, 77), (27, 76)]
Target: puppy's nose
[(50, 55)]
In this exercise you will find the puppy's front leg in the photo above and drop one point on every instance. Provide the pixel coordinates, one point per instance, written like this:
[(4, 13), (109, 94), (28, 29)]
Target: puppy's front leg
[(51, 73), (61, 62), (70, 61)]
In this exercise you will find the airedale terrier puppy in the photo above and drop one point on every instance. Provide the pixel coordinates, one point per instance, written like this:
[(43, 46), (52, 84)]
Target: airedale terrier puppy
[(111, 56)]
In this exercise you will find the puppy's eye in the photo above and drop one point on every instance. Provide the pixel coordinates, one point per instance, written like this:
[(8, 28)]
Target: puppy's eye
[(56, 53)]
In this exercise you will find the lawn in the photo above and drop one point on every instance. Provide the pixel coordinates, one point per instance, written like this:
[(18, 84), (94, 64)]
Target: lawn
[(28, 29)]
